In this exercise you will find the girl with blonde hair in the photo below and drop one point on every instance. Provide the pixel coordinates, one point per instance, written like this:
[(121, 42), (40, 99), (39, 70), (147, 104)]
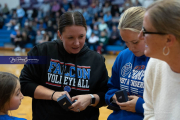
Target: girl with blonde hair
[(128, 69)]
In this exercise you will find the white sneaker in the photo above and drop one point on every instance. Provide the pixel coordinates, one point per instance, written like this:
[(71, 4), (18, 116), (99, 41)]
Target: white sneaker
[(17, 49)]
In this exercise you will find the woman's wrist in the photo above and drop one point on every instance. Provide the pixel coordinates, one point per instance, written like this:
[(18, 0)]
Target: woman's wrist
[(52, 95)]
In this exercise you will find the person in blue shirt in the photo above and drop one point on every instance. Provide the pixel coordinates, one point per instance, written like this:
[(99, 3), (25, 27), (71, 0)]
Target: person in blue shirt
[(129, 67), (10, 95)]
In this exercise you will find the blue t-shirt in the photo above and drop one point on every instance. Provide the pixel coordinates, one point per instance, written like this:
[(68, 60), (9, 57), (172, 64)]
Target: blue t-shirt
[(7, 117), (14, 32), (128, 74)]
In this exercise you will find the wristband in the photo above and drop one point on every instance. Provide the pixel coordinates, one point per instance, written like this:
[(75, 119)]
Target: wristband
[(52, 95)]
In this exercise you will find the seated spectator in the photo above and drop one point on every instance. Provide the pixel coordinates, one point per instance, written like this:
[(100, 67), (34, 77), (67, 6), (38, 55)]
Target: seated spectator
[(50, 28), (25, 3), (49, 33), (35, 13), (5, 10), (38, 4), (14, 33), (20, 14), (114, 35), (92, 41), (86, 14), (26, 27), (100, 48), (96, 30), (39, 37), (97, 22), (31, 35), (102, 25), (14, 15), (20, 41), (57, 14), (107, 32), (39, 14), (55, 28), (45, 37), (103, 41), (89, 31), (33, 25), (11, 24), (77, 8), (106, 8), (114, 10), (115, 19), (29, 13), (25, 40), (65, 5), (101, 14), (55, 37), (92, 9), (96, 17), (83, 3), (55, 7), (17, 41), (41, 25), (99, 4), (45, 7), (108, 19)]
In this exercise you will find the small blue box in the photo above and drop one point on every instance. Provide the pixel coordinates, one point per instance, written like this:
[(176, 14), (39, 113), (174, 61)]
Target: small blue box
[(64, 102)]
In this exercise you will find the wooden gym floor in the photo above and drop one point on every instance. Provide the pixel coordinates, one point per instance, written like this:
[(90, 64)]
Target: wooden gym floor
[(24, 111)]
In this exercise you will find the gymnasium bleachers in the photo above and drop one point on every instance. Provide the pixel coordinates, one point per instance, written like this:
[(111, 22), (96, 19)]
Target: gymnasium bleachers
[(4, 37), (5, 40)]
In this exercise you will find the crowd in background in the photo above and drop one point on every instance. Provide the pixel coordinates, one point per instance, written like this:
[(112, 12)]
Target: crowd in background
[(38, 23)]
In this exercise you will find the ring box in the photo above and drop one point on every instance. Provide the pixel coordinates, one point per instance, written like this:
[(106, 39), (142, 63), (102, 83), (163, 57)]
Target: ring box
[(121, 96), (113, 106), (64, 102)]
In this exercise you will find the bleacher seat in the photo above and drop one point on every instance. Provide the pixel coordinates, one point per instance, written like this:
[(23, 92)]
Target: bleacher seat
[(1, 44), (29, 45), (5, 40), (114, 49), (5, 37), (118, 42), (5, 32)]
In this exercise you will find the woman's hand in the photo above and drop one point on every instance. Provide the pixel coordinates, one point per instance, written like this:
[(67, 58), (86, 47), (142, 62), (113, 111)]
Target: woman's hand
[(129, 105), (81, 103), (114, 97), (59, 94)]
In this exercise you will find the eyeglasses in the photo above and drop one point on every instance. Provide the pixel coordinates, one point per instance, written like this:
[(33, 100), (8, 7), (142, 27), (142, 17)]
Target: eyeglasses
[(145, 32)]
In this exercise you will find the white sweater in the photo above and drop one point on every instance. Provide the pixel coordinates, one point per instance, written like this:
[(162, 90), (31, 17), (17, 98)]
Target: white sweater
[(161, 92)]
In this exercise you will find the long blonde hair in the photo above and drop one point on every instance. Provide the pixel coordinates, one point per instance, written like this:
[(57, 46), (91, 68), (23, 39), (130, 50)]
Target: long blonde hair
[(132, 19)]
